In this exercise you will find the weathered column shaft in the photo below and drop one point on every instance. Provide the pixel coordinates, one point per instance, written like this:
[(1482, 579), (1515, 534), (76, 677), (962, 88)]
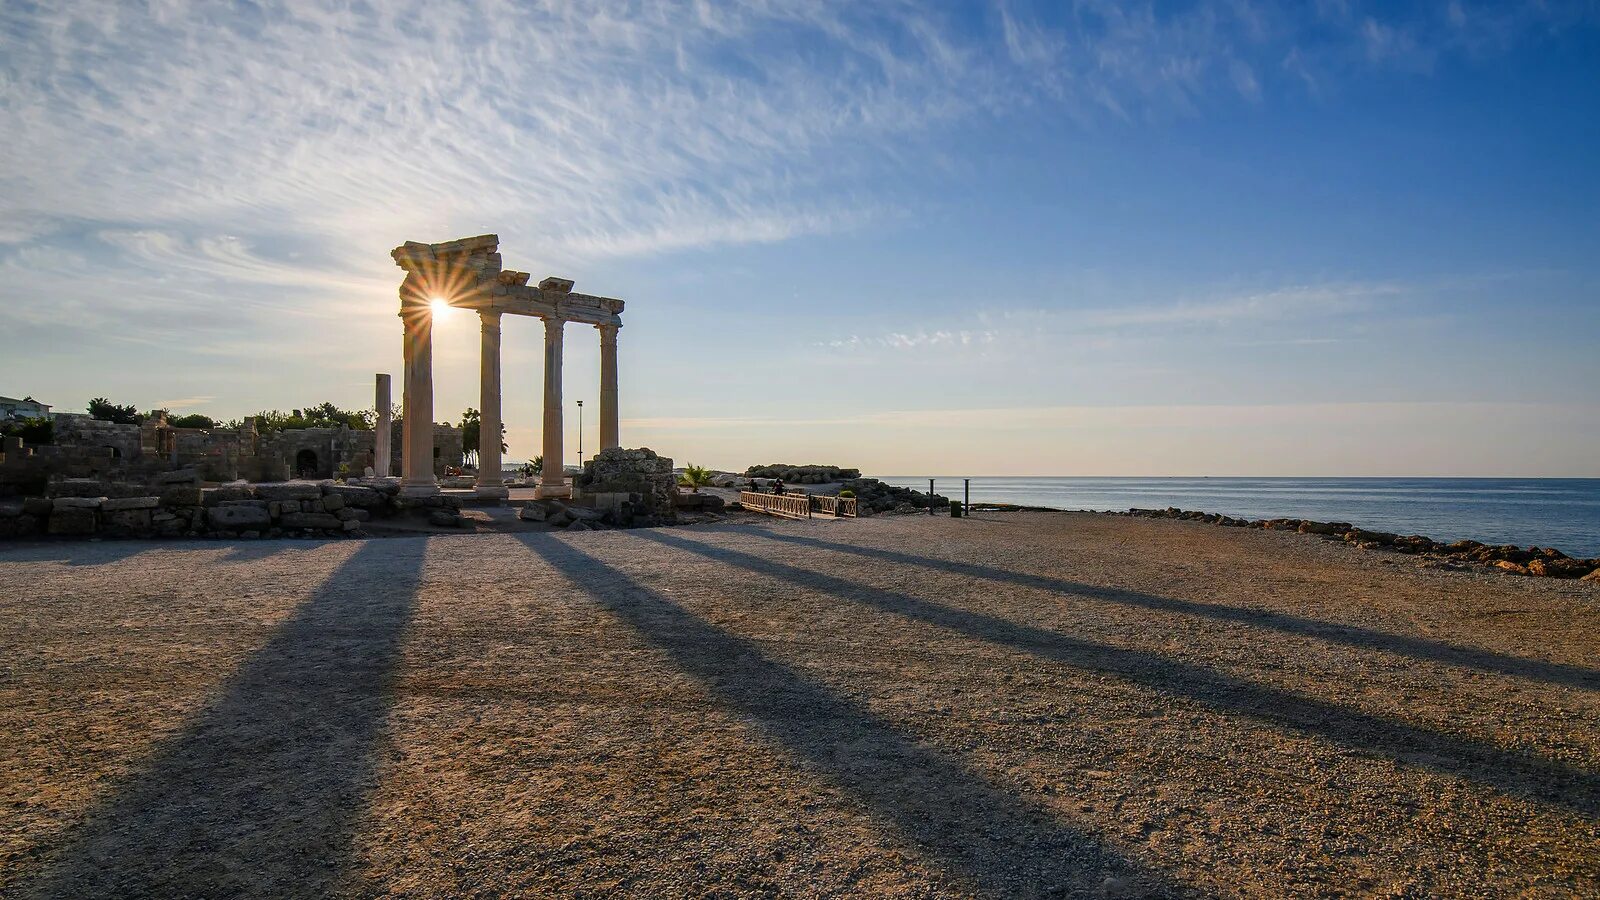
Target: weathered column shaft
[(382, 448), (552, 479), (491, 480), (610, 435), (405, 400), (418, 478)]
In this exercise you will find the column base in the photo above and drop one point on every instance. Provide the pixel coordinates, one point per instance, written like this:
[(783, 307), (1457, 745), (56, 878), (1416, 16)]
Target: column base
[(491, 491), (419, 489), (547, 491)]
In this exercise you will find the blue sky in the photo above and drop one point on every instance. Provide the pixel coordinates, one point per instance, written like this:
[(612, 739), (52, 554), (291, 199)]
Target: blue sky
[(1202, 238)]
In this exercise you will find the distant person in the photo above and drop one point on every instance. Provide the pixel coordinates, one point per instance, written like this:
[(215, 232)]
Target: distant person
[(777, 486), (754, 488)]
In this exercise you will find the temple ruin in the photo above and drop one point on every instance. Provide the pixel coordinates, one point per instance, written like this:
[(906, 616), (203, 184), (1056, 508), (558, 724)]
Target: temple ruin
[(467, 274)]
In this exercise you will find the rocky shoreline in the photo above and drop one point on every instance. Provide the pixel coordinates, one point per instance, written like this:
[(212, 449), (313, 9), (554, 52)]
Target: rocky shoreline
[(1543, 562)]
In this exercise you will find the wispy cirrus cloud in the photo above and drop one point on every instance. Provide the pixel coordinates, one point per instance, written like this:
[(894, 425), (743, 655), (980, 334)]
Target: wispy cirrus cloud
[(1285, 312), (588, 129)]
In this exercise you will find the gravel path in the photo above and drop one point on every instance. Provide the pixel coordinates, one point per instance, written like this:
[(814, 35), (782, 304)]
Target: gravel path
[(1012, 704)]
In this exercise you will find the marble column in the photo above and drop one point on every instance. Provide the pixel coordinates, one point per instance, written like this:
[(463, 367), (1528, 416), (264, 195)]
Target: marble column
[(491, 480), (418, 480), (609, 436), (382, 443), (405, 399), (553, 478)]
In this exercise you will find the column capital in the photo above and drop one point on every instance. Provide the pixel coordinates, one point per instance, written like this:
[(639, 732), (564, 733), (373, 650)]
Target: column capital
[(489, 318), (608, 333)]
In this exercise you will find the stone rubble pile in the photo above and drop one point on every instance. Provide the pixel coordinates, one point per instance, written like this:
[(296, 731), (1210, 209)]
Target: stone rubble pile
[(873, 496), (638, 477), (1546, 562), (618, 488), (792, 474), (178, 506)]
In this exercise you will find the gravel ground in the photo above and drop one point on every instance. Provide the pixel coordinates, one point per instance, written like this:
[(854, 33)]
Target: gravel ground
[(1011, 704)]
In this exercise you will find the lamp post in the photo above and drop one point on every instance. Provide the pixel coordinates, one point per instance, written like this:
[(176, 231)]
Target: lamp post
[(580, 434)]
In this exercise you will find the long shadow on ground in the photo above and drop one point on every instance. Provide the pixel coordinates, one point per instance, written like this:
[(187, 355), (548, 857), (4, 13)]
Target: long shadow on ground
[(261, 793), (1331, 632), (1512, 772), (1002, 843), (79, 552)]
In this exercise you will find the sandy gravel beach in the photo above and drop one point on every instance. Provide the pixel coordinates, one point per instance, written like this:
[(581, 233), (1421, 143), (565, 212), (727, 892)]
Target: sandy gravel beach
[(1012, 704)]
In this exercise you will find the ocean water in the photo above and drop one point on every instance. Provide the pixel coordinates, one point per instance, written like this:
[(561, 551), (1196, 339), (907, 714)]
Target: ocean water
[(1549, 512)]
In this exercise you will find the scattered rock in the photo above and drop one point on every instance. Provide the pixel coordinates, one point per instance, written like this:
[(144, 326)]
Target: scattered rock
[(444, 518)]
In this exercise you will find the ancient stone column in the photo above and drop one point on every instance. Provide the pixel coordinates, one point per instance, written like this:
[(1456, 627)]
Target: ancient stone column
[(382, 443), (553, 478), (609, 435), (491, 481), (417, 480)]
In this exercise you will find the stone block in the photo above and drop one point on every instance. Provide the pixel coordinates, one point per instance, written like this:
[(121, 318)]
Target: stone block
[(228, 493), (38, 506), (179, 476), (312, 506), (352, 514), (445, 518), (182, 495), (310, 520), (75, 521), (352, 495), (331, 502), (258, 504), (90, 503), (238, 517), (80, 487), (127, 520), (534, 512), (118, 504), (289, 490)]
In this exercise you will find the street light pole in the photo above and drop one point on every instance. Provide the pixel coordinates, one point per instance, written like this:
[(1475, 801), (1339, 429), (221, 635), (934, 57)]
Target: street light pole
[(580, 434)]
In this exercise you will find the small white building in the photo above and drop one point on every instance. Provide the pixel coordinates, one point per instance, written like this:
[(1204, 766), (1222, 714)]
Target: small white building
[(26, 408)]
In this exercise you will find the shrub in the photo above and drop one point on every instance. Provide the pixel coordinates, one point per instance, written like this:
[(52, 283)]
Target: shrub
[(846, 492), (694, 477), (34, 431)]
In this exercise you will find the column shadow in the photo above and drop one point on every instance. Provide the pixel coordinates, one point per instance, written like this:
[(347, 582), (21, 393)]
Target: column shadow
[(1418, 648), (261, 793), (252, 551), (1002, 843), (1512, 772), (76, 553)]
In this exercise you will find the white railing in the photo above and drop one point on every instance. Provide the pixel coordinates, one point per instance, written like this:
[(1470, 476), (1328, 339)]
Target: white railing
[(836, 506), (784, 505)]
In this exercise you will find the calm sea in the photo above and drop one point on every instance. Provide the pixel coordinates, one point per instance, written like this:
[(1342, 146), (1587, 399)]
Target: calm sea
[(1550, 512)]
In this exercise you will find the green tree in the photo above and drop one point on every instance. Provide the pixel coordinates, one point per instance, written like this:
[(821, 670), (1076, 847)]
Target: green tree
[(471, 431), (694, 477), (192, 420), (35, 430), (106, 411)]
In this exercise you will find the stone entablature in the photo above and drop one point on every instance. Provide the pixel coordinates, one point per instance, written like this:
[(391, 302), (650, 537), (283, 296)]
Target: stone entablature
[(467, 274)]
